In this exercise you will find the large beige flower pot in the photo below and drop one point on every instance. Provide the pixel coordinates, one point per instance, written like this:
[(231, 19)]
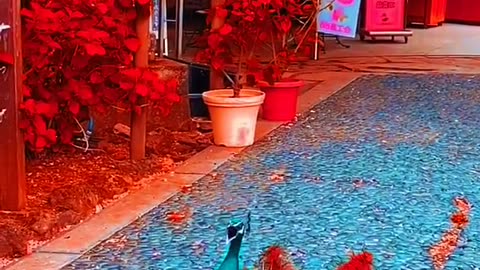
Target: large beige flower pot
[(233, 119)]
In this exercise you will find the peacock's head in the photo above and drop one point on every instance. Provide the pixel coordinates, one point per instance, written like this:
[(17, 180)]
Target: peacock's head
[(237, 229)]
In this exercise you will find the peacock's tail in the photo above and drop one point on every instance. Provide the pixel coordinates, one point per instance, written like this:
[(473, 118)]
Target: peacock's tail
[(276, 258)]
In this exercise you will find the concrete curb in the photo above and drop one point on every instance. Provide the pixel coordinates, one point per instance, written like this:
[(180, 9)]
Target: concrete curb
[(74, 243)]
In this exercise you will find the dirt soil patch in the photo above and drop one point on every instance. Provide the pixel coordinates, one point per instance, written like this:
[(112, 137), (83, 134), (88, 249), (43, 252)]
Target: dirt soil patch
[(69, 186)]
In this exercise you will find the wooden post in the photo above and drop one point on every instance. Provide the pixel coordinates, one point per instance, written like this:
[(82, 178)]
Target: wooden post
[(216, 78), (138, 136), (12, 155)]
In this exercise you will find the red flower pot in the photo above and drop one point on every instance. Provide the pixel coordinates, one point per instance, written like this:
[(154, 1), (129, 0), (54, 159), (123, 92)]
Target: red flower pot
[(280, 100)]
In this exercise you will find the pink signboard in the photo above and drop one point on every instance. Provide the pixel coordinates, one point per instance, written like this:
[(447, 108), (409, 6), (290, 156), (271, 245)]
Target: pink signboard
[(385, 15), (339, 17)]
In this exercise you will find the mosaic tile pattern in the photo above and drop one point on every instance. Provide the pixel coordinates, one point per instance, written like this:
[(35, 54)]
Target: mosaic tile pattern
[(376, 167)]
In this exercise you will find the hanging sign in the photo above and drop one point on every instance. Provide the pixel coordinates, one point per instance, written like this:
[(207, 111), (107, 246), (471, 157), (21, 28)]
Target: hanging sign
[(385, 15), (155, 18), (339, 17)]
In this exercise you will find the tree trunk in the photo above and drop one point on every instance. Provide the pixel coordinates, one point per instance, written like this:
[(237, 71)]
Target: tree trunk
[(138, 136), (13, 194)]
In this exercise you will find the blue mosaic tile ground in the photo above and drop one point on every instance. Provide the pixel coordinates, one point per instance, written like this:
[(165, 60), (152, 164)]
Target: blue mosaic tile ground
[(413, 140)]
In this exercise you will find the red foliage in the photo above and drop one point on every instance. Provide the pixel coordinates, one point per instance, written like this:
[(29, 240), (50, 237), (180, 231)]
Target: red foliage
[(362, 261), (179, 217), (441, 252), (246, 28), (78, 55), (460, 220), (276, 258)]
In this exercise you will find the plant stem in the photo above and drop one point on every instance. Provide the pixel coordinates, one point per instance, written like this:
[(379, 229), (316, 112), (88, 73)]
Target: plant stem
[(253, 46), (239, 70), (310, 20), (236, 89), (236, 92), (274, 50)]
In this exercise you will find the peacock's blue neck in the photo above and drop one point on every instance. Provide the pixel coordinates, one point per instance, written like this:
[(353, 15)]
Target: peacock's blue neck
[(231, 261), (235, 245)]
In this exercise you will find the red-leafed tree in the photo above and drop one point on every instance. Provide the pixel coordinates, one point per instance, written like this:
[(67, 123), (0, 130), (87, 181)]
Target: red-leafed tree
[(78, 56), (260, 38)]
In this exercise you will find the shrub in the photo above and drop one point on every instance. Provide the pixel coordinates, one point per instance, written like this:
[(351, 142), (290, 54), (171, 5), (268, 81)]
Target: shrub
[(78, 56)]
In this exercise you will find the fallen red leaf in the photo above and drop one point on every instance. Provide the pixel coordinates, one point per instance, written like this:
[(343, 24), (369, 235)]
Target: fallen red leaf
[(460, 220), (176, 217), (441, 252), (186, 189)]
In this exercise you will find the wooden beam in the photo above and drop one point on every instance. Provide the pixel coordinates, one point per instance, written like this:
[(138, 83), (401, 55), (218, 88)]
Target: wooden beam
[(139, 121), (216, 78), (12, 155)]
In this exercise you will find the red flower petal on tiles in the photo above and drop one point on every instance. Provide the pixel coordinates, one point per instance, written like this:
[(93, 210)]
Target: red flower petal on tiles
[(460, 220)]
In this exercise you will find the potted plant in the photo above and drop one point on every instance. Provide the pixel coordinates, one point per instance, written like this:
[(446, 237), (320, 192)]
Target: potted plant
[(292, 34), (229, 44), (242, 34)]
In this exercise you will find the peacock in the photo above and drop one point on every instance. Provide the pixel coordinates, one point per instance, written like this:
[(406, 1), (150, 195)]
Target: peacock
[(236, 230), (276, 257)]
